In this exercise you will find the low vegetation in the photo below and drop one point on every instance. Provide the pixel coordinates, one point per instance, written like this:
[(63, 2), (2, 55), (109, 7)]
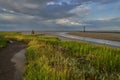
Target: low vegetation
[(48, 58), (67, 60), (3, 43)]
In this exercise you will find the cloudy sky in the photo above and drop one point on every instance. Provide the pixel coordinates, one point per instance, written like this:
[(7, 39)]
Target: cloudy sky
[(59, 14)]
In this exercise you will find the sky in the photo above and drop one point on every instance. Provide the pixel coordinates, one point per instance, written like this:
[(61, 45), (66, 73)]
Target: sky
[(59, 14)]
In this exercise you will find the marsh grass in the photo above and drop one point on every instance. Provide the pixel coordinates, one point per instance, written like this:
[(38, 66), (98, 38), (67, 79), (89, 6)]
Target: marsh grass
[(68, 60), (3, 43), (48, 58)]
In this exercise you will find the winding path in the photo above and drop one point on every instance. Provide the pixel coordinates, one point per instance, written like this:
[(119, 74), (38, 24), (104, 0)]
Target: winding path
[(7, 67)]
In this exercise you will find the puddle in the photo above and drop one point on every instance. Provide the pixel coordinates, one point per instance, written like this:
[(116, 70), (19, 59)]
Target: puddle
[(100, 41), (19, 60)]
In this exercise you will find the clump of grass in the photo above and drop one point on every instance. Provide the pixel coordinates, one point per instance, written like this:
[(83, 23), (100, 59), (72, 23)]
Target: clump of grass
[(25, 37), (52, 65), (3, 43)]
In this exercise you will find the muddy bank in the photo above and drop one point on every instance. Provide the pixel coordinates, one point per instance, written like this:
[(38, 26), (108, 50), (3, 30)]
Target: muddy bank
[(7, 67), (99, 35), (91, 40)]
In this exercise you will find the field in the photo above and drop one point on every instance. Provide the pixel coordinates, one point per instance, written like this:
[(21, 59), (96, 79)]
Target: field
[(48, 58)]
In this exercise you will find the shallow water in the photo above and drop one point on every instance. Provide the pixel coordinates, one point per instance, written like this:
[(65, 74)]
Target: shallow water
[(19, 60), (100, 41)]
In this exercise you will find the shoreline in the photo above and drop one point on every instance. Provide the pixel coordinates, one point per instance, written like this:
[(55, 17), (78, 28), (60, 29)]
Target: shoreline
[(105, 36)]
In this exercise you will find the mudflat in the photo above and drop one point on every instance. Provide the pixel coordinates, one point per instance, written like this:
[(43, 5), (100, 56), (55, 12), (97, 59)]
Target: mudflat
[(98, 35), (7, 68)]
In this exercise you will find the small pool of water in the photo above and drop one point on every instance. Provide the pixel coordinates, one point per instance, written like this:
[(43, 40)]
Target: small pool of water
[(19, 60)]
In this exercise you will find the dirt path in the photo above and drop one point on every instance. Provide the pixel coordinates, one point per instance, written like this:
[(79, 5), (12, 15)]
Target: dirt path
[(7, 68)]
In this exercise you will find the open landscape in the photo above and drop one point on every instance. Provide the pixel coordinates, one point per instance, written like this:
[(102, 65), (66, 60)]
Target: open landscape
[(59, 39), (49, 58)]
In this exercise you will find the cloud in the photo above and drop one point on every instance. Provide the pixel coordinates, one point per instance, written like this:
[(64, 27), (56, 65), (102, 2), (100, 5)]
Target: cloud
[(31, 6), (109, 23), (50, 14), (80, 11), (98, 1), (18, 20), (77, 15), (7, 17), (41, 8), (6, 10), (53, 3), (67, 22)]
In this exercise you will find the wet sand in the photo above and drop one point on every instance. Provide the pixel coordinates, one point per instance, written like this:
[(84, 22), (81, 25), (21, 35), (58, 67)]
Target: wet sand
[(98, 35), (7, 67)]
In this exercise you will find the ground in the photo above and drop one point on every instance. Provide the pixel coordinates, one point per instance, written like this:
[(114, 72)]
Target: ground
[(99, 35), (7, 68)]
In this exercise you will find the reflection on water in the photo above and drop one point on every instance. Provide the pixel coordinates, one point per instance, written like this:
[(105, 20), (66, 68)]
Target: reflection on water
[(100, 41), (19, 60)]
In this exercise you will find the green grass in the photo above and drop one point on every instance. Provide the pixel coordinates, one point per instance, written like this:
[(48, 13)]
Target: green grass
[(68, 60), (48, 58), (3, 43)]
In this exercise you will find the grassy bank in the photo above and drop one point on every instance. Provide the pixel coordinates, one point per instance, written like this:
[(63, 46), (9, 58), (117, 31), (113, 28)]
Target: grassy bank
[(48, 58), (67, 60)]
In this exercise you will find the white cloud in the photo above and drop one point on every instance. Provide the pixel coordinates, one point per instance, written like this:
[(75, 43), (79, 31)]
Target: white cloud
[(79, 14), (67, 22), (104, 19), (7, 16), (80, 10), (6, 10), (53, 3)]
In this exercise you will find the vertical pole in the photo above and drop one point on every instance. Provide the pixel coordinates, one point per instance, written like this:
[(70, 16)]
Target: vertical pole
[(84, 29)]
